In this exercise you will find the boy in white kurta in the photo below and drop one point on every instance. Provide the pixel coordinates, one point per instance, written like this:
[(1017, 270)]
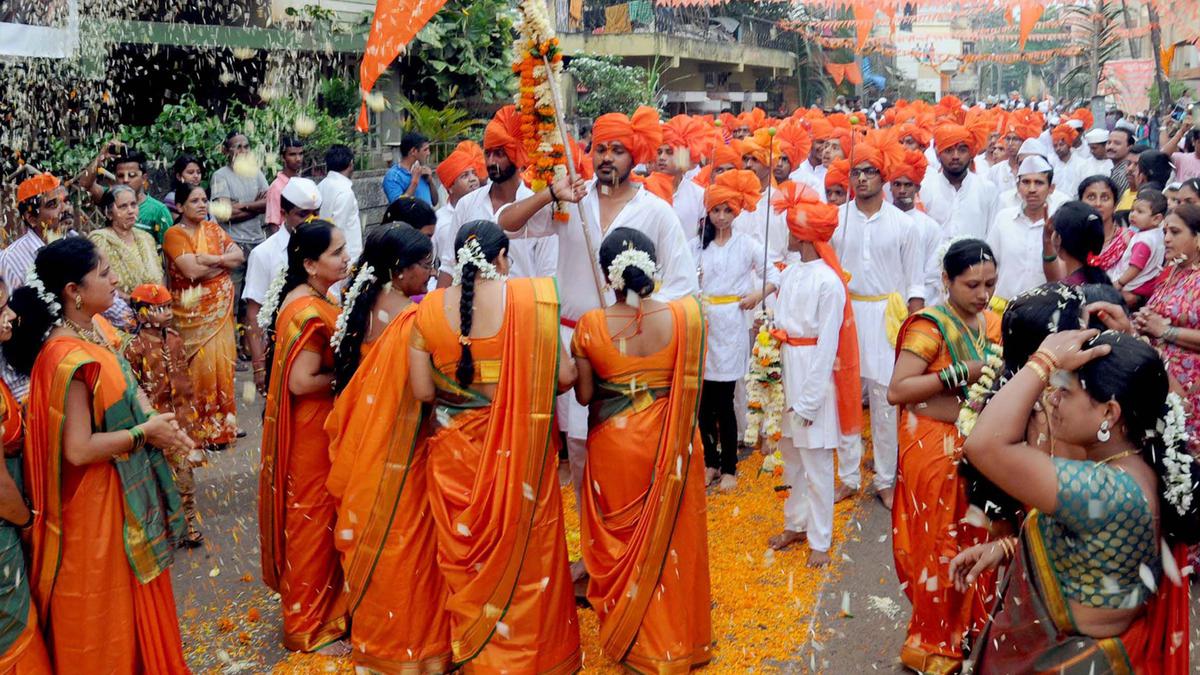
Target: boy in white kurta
[(815, 326)]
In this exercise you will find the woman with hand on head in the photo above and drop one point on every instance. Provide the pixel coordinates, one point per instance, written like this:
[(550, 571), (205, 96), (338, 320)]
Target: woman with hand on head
[(107, 514), (296, 512)]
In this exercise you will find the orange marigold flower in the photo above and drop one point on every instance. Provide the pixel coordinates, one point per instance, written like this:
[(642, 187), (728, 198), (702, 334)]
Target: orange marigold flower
[(253, 614), (224, 624)]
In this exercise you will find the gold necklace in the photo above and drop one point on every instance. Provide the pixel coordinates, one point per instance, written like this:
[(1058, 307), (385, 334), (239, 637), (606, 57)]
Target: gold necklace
[(89, 334), (1119, 455)]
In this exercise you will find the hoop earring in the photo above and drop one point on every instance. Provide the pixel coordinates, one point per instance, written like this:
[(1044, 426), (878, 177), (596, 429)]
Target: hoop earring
[(1104, 434), (79, 302)]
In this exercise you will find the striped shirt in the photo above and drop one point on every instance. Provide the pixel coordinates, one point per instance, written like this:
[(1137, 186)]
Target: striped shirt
[(16, 260)]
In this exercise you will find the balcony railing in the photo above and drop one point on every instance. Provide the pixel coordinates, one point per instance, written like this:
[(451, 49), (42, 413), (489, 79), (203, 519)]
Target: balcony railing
[(608, 17)]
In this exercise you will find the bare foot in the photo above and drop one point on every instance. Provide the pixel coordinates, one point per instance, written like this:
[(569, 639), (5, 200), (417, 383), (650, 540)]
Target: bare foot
[(786, 539), (886, 495), (818, 558), (844, 492), (578, 570), (711, 475), (339, 648)]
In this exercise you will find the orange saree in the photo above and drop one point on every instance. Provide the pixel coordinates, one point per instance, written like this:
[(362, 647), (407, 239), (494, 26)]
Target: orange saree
[(205, 318), (493, 489), (928, 529), (296, 514), (643, 517), (395, 593), (103, 534), (22, 650)]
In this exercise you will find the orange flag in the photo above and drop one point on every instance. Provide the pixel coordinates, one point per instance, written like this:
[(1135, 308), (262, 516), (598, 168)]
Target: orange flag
[(1031, 11), (395, 24), (864, 19), (1167, 55)]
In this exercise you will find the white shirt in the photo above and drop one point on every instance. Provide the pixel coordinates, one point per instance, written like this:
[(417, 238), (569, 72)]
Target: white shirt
[(17, 259), (530, 257), (340, 206), (812, 302), (929, 238), (883, 255), (812, 176), (1016, 241), (1095, 167), (966, 211), (755, 223), (1011, 199), (1068, 175), (1001, 175), (265, 261), (689, 206), (732, 269), (644, 212)]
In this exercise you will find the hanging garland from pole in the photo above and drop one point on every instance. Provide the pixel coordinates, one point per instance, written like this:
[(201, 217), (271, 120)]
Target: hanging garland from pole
[(536, 47)]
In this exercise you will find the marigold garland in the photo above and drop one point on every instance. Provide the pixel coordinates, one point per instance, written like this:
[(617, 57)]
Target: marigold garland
[(544, 143), (764, 392)]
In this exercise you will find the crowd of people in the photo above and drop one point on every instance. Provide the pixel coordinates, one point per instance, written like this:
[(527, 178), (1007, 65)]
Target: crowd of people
[(1013, 296)]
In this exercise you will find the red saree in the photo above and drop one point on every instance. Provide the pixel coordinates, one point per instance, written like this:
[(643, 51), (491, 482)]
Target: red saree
[(296, 513), (928, 527), (103, 534), (206, 323), (643, 512), (395, 593), (493, 489)]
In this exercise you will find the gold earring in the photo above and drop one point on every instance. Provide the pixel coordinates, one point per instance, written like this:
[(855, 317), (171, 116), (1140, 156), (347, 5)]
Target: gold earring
[(79, 302)]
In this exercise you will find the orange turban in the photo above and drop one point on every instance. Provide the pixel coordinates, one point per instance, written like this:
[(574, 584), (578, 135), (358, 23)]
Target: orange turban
[(912, 166), (878, 151), (796, 142), (504, 133), (1084, 115), (821, 129), (689, 133), (659, 184), (918, 133), (762, 146), (723, 154), (37, 185), (151, 294), (754, 119), (1064, 133), (838, 173), (739, 189), (810, 220), (1024, 123), (641, 134), (950, 107), (467, 156), (946, 136)]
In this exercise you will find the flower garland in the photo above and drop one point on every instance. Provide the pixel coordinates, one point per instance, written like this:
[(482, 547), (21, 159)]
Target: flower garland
[(365, 276), (979, 393), (630, 257), (472, 254), (32, 280), (764, 391), (266, 314), (544, 143), (1177, 462)]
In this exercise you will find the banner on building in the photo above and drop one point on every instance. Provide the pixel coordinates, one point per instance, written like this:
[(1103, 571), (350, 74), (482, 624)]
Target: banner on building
[(1129, 81), (39, 28)]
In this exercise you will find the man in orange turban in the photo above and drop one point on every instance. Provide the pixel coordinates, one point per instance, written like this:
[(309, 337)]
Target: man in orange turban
[(724, 158), (878, 245), (811, 171), (738, 189), (837, 182), (906, 180), (460, 172), (815, 324), (961, 202), (504, 157), (796, 143), (616, 137), (759, 152), (748, 122), (913, 136), (1069, 168), (41, 203), (686, 140)]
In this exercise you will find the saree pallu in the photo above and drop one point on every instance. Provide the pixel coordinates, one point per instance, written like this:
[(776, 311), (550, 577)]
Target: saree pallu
[(395, 592), (296, 514), (928, 514), (643, 517), (494, 493), (205, 317), (103, 533), (1032, 630)]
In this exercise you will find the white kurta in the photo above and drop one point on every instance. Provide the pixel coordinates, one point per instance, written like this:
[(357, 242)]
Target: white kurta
[(1016, 242), (530, 257), (1011, 199), (882, 254), (929, 239), (1067, 176), (1095, 167), (812, 176), (1001, 175), (811, 304), (734, 269), (966, 211), (754, 224), (689, 206)]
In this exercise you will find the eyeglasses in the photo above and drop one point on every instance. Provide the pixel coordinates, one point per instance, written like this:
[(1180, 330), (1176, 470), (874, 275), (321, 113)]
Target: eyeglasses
[(869, 172)]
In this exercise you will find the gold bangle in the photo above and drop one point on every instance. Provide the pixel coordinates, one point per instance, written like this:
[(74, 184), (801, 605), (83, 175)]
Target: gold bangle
[(1039, 370), (1052, 360)]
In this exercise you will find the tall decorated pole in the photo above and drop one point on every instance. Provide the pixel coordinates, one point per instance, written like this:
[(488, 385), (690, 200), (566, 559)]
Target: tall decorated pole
[(539, 65)]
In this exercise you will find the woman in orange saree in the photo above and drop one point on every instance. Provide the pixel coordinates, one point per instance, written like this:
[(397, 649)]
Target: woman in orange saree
[(643, 513), (486, 353), (940, 351), (199, 257), (22, 650), (296, 513), (395, 595), (107, 515)]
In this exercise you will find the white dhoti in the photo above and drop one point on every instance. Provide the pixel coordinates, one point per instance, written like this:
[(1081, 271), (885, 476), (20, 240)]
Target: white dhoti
[(877, 360), (809, 506)]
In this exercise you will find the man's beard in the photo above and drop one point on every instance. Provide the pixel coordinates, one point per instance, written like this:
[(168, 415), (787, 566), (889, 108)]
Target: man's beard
[(498, 175), (620, 177)]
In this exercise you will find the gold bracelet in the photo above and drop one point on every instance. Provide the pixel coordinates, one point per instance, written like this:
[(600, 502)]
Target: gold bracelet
[(1051, 359), (1039, 370)]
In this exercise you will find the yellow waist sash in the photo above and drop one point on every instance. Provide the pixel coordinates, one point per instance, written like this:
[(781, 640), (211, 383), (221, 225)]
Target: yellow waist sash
[(894, 315), (722, 299)]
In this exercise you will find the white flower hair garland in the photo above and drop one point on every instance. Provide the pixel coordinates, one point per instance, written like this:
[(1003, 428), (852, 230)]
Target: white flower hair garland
[(365, 276), (630, 257), (32, 280), (1173, 428), (471, 253), (266, 315)]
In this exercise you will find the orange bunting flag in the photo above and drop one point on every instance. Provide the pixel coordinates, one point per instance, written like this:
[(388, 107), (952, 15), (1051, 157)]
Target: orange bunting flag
[(396, 23), (1031, 11)]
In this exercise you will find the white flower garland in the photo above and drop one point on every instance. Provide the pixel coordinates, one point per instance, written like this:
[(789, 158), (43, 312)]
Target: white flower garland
[(266, 315), (979, 393), (32, 280), (630, 257), (471, 253), (764, 391), (365, 276), (1173, 428)]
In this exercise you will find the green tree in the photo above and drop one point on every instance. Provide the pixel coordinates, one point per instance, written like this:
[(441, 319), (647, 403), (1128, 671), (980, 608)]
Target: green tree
[(464, 54), (611, 86)]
